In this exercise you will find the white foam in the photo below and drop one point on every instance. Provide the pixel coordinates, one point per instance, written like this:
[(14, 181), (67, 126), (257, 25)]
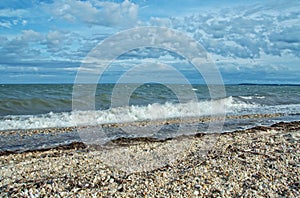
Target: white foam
[(252, 97), (246, 97), (124, 114)]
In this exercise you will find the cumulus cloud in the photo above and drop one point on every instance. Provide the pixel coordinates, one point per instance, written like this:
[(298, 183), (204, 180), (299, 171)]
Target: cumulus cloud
[(95, 12), (35, 46), (54, 40), (162, 22), (241, 39), (244, 32), (31, 36), (19, 48)]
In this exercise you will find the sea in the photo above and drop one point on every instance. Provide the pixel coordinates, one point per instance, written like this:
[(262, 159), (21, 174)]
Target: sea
[(40, 106)]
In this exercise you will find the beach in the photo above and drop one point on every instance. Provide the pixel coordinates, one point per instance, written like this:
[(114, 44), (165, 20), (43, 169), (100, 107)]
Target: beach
[(262, 161), (136, 98)]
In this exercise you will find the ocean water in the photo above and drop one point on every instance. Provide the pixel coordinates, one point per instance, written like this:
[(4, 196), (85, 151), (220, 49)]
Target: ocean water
[(24, 107), (47, 106)]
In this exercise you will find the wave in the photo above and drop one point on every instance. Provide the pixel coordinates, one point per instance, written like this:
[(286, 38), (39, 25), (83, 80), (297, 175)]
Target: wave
[(230, 106), (33, 105), (252, 97), (121, 114)]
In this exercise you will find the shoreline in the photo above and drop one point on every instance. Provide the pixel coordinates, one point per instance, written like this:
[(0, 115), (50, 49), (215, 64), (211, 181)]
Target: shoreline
[(261, 161), (20, 140), (123, 140), (146, 122)]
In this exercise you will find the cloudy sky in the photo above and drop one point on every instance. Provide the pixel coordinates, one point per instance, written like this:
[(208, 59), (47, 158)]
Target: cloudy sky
[(46, 41)]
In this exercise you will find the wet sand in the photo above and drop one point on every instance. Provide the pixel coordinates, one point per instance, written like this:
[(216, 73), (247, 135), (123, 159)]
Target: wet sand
[(261, 161)]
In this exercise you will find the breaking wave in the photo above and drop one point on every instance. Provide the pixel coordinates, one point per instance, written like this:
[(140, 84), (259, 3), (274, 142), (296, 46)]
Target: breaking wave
[(125, 114)]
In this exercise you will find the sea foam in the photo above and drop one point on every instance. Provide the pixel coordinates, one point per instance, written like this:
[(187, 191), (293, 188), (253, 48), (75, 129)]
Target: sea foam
[(133, 113)]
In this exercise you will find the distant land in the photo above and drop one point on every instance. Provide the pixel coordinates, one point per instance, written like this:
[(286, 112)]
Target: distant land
[(267, 84)]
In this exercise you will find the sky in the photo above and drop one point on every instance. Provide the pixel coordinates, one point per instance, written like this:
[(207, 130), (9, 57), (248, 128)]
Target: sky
[(46, 41)]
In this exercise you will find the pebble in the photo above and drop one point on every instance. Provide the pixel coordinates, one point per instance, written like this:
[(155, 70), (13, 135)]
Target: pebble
[(240, 165)]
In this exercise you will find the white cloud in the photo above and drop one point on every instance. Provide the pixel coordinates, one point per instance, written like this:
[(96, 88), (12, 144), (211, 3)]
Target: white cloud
[(12, 12), (5, 24), (162, 22), (31, 36), (244, 32), (18, 48), (95, 12), (54, 38), (250, 38), (11, 17), (24, 22)]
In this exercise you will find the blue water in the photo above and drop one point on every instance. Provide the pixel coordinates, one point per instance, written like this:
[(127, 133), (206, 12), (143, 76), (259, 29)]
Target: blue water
[(43, 106), (28, 107)]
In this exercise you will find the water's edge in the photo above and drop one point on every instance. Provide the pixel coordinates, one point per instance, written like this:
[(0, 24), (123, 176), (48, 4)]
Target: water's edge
[(123, 141)]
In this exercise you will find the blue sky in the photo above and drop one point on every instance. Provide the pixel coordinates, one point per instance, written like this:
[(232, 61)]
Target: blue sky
[(45, 41)]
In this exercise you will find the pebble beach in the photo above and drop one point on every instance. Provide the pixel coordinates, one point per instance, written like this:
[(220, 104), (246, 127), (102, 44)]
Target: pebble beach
[(140, 98), (257, 162)]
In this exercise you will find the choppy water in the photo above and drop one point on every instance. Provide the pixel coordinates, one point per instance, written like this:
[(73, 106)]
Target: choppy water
[(47, 106), (43, 106)]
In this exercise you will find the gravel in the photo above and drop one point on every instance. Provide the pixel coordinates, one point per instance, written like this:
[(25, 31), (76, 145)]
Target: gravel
[(258, 162)]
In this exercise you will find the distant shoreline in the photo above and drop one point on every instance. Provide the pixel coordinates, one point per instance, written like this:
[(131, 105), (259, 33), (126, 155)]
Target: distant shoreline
[(267, 84)]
